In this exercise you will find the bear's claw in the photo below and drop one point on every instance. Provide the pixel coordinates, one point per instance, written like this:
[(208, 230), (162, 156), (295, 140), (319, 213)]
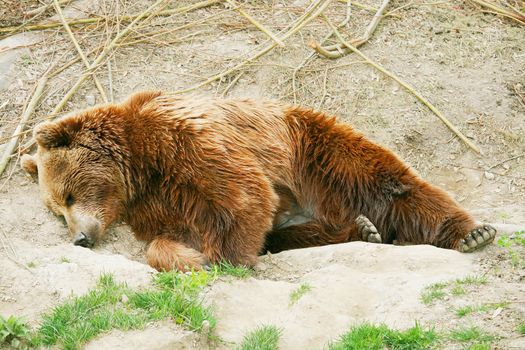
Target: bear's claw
[(477, 238), (367, 230)]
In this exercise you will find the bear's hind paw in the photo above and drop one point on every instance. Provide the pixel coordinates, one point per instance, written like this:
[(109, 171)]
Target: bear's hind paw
[(477, 238), (367, 230)]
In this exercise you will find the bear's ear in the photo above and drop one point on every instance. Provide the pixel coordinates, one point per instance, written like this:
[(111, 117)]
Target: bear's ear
[(28, 163), (57, 134)]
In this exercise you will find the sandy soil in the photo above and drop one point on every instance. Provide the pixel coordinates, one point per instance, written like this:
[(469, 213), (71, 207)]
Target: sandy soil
[(469, 64)]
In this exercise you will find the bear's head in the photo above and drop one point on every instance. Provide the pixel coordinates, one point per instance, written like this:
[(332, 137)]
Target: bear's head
[(78, 171)]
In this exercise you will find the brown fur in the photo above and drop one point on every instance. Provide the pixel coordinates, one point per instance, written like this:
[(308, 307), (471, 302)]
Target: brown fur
[(208, 179)]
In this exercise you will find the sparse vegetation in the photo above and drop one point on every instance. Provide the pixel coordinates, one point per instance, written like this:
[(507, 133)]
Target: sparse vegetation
[(64, 260), (367, 336), (31, 264), (13, 332), (433, 292), (299, 292), (480, 346), (263, 338), (466, 310), (114, 305), (510, 243), (468, 334), (438, 291), (521, 328)]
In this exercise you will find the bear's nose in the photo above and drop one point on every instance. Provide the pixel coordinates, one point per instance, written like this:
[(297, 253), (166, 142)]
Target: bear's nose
[(83, 240)]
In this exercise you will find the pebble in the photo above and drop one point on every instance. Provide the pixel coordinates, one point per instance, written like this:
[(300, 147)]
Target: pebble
[(489, 176), (90, 100)]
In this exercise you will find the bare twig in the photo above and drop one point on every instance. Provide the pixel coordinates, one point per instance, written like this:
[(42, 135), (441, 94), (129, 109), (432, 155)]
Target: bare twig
[(505, 161), (361, 6), (499, 10), (79, 50), (127, 18), (96, 63), (407, 87), (110, 80), (315, 9), (232, 84), (256, 23), (339, 50), (103, 55), (10, 147)]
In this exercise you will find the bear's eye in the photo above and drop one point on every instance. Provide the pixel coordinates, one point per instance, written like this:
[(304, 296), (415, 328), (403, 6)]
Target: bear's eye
[(69, 200)]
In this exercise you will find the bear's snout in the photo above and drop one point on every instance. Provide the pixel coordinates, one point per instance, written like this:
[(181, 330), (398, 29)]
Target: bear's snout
[(83, 240)]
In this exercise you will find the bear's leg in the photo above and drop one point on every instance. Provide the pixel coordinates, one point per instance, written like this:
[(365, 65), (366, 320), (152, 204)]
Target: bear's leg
[(165, 254), (477, 238), (427, 215), (367, 231), (311, 234)]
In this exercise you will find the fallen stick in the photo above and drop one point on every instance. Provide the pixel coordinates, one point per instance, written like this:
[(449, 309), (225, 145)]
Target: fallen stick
[(343, 23), (232, 84), (514, 14), (79, 50), (10, 146), (407, 87), (95, 64), (125, 18), (339, 50), (315, 9), (102, 56), (256, 23)]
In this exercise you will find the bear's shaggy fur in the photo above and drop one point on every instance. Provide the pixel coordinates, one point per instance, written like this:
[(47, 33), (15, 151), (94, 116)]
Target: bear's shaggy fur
[(205, 180)]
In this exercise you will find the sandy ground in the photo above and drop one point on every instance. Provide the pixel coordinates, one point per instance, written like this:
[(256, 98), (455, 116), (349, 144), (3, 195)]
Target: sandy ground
[(469, 64)]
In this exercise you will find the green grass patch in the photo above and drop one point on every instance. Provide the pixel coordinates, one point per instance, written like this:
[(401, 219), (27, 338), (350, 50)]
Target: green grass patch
[(433, 292), (64, 260), (511, 243), (114, 305), (472, 280), (521, 328), (466, 310), (299, 292), (468, 334), (372, 337), (31, 264), (458, 290), (263, 338), (14, 332), (438, 291)]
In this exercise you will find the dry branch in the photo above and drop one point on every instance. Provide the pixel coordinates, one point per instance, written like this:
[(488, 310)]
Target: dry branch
[(343, 23), (315, 9), (102, 56), (125, 18), (79, 50), (407, 87), (500, 10), (256, 23), (96, 63), (10, 146), (339, 50)]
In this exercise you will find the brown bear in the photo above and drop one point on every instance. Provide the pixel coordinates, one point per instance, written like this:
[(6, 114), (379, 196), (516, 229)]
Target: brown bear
[(208, 180)]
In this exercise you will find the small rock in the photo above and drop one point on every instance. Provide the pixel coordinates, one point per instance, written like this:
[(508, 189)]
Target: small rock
[(90, 100), (489, 176), (497, 312)]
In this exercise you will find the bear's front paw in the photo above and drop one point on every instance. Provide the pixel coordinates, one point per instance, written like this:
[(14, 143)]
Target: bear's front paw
[(477, 238), (367, 230)]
